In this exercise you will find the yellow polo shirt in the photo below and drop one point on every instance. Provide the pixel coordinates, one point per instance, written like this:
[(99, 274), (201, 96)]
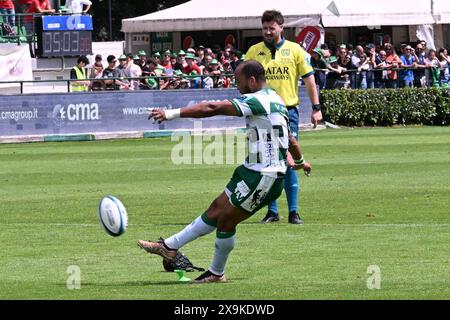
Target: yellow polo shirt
[(284, 69)]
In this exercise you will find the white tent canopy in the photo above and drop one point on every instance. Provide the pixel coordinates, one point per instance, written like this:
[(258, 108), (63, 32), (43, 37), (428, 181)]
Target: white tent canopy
[(441, 11), (198, 15), (379, 13)]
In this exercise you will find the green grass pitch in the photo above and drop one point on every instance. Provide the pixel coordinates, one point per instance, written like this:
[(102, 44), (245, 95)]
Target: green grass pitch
[(376, 197)]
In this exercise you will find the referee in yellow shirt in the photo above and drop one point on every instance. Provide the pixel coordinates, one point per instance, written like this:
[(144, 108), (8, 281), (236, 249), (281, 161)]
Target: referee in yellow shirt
[(285, 62)]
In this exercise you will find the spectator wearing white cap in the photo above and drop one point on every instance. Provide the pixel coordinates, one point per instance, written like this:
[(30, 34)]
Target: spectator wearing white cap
[(408, 61)]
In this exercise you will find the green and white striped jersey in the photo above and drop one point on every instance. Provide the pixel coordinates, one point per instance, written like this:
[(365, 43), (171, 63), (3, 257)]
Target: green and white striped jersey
[(267, 131)]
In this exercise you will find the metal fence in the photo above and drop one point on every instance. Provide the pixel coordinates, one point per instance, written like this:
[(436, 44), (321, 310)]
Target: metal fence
[(434, 78)]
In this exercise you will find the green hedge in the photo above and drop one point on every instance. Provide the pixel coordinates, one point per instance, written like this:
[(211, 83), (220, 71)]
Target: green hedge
[(386, 107)]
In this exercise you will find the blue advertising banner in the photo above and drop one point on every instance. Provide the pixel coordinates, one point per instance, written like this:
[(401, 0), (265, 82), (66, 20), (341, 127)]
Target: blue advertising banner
[(67, 22), (111, 112)]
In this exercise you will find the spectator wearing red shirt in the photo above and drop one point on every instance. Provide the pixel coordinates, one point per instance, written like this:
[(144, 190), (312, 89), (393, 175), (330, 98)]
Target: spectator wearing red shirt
[(7, 7), (191, 65), (392, 62), (36, 6)]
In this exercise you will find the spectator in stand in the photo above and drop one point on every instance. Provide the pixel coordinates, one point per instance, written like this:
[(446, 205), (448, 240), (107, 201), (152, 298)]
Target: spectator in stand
[(200, 53), (181, 61), (173, 60), (150, 71), (191, 51), (195, 80), (227, 51), (424, 45), (335, 78), (234, 59), (215, 68), (36, 6), (320, 66), (325, 51), (136, 60), (96, 73), (444, 61), (371, 56), (361, 74), (380, 73), (178, 81), (222, 58), (420, 79), (209, 52), (208, 82), (167, 64), (7, 7), (191, 65), (350, 49), (142, 59), (79, 73), (111, 71), (392, 62), (408, 61), (122, 69), (403, 49), (78, 6), (208, 60), (157, 56), (433, 70), (344, 61), (356, 63), (133, 71), (216, 73), (227, 69)]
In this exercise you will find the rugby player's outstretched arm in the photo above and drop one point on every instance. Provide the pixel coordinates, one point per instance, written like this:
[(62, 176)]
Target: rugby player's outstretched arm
[(199, 110)]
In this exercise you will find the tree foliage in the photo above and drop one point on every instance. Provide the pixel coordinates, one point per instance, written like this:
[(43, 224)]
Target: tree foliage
[(122, 10)]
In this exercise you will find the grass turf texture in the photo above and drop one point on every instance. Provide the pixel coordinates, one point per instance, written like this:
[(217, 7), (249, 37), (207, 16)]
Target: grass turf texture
[(376, 197)]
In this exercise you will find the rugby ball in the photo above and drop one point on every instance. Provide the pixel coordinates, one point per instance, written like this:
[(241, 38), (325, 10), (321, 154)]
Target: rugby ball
[(113, 216)]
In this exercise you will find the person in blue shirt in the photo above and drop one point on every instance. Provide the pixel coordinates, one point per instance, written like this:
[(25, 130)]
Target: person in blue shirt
[(408, 61)]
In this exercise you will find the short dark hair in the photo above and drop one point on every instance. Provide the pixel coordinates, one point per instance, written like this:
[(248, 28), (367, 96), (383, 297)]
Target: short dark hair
[(253, 68), (151, 61), (83, 59), (111, 58), (272, 15)]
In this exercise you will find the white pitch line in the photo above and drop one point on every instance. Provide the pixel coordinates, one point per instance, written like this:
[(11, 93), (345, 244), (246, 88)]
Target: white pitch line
[(393, 225)]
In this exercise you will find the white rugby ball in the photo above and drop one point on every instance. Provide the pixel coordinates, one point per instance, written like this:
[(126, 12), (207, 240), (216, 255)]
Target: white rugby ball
[(113, 216)]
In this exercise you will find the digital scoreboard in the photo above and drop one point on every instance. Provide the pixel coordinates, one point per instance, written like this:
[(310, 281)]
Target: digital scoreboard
[(64, 36)]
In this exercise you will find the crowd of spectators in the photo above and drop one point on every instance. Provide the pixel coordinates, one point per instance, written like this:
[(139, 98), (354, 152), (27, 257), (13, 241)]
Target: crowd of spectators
[(194, 68), (374, 66), (359, 67)]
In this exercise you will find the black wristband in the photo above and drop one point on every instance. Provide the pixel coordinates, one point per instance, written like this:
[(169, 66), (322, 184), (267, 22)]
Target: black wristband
[(317, 107)]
